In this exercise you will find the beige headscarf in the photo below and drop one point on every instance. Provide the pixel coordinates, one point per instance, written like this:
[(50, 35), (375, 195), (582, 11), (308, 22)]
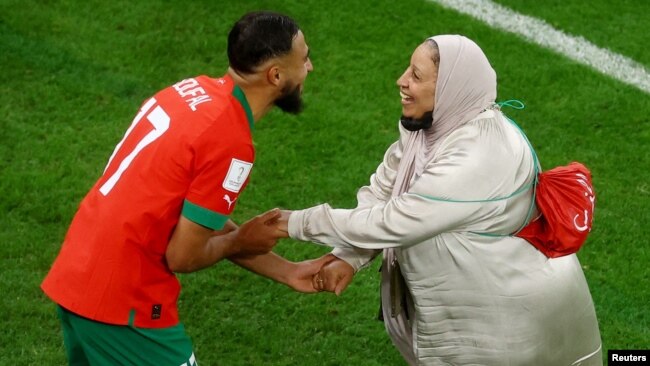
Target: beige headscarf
[(466, 85)]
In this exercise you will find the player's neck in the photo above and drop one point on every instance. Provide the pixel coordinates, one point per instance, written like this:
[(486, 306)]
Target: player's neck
[(259, 98)]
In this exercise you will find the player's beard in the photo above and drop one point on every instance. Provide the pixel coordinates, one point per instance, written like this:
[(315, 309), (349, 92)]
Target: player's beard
[(291, 99), (415, 124)]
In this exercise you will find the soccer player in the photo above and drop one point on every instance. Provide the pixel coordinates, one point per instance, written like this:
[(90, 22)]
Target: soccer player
[(163, 203)]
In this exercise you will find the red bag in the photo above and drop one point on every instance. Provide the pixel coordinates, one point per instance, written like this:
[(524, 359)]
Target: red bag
[(566, 198)]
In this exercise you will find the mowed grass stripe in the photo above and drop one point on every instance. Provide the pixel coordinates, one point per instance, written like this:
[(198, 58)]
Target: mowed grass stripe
[(538, 31), (619, 26), (74, 74)]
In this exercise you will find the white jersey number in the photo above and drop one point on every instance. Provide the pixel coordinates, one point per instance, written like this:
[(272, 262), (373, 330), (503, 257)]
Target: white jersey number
[(160, 121)]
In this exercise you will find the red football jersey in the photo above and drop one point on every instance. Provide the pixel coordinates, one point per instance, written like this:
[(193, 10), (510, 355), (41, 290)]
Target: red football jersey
[(188, 151)]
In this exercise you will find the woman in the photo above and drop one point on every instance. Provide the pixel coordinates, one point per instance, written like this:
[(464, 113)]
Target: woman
[(441, 206)]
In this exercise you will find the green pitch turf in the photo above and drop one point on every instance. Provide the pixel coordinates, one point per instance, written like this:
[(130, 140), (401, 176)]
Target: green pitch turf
[(73, 74)]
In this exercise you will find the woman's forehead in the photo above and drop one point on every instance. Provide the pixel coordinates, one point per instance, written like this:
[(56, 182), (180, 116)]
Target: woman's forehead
[(422, 57)]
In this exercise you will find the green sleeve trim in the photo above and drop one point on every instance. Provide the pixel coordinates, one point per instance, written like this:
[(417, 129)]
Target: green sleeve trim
[(203, 216)]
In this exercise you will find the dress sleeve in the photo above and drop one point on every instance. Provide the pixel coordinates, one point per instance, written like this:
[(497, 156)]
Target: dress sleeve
[(383, 180), (464, 169), (379, 190)]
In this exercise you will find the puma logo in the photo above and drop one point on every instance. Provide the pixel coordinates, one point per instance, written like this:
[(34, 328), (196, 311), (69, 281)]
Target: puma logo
[(227, 199)]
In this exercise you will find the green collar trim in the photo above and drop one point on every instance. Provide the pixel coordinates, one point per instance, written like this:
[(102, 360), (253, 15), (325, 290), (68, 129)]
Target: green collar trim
[(241, 97)]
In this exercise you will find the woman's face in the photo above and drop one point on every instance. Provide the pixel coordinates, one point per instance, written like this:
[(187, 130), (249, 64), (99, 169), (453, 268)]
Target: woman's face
[(417, 85)]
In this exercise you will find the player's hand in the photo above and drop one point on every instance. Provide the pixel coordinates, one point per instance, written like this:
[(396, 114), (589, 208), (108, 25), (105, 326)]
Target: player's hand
[(335, 276), (258, 235)]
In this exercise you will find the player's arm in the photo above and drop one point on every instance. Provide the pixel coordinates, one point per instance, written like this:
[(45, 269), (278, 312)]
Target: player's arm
[(193, 247), (297, 275), (269, 265)]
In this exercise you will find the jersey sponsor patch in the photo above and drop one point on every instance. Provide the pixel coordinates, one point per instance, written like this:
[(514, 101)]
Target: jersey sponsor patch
[(237, 174)]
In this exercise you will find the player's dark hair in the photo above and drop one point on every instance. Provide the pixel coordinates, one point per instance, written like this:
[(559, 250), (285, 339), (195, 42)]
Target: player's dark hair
[(259, 36)]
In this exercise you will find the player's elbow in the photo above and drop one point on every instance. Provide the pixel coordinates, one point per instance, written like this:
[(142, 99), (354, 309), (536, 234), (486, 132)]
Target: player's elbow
[(180, 263)]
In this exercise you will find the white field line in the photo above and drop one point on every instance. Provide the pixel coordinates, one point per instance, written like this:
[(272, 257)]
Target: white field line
[(537, 31)]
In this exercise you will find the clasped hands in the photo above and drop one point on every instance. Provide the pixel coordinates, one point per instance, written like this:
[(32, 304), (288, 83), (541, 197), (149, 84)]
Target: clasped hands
[(334, 276), (328, 273)]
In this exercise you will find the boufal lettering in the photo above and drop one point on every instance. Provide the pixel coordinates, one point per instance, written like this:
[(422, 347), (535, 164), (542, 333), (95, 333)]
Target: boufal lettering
[(192, 93)]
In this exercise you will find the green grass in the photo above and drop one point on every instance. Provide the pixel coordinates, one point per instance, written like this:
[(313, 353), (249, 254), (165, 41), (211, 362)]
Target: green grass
[(74, 73), (620, 26)]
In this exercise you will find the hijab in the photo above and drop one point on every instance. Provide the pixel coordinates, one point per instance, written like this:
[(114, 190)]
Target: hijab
[(465, 87)]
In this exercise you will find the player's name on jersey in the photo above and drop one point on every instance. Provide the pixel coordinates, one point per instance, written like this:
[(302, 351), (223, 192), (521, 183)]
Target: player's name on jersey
[(191, 93)]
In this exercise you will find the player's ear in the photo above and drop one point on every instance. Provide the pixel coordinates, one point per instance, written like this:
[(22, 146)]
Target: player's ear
[(273, 75)]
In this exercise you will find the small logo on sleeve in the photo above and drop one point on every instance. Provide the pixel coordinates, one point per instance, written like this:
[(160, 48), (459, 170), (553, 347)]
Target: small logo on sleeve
[(228, 200), (156, 311), (237, 174)]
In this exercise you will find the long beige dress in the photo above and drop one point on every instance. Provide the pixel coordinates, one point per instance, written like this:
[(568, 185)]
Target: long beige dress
[(480, 297)]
